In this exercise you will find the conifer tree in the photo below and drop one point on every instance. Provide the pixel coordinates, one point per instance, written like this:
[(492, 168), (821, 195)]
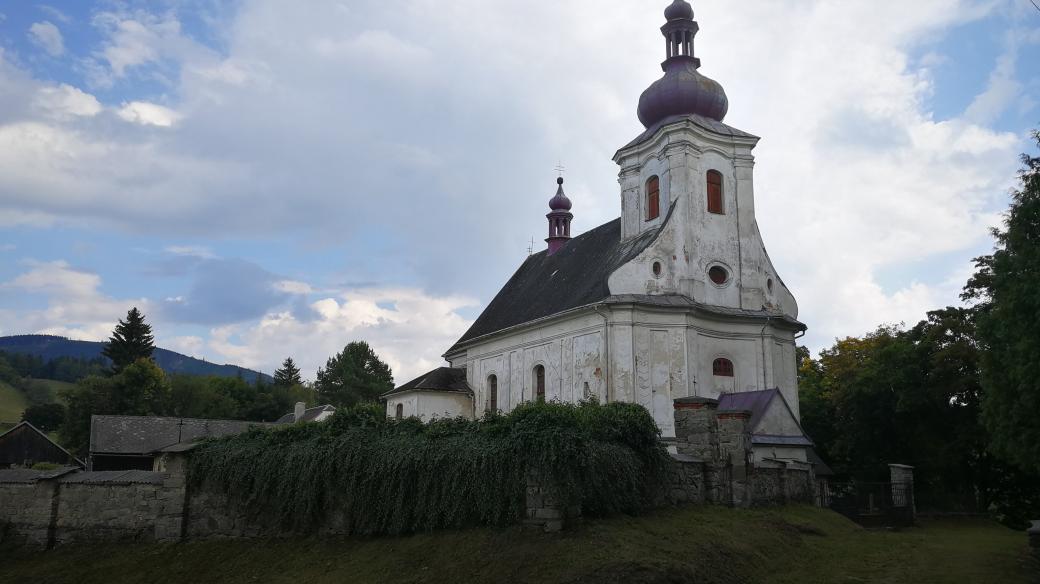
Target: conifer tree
[(131, 340), (288, 374), (353, 376)]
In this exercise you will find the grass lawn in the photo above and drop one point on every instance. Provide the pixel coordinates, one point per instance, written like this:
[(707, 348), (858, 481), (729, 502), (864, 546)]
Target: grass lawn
[(12, 403), (703, 545)]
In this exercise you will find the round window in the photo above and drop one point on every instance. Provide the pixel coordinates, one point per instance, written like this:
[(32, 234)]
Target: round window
[(718, 275), (657, 269)]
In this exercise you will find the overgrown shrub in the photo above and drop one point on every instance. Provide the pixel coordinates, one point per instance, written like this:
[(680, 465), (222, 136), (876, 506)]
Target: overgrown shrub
[(368, 474)]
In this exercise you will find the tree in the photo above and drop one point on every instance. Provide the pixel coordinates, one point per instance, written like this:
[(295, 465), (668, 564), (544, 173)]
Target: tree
[(46, 417), (288, 375), (1005, 286), (131, 340), (354, 375), (140, 389)]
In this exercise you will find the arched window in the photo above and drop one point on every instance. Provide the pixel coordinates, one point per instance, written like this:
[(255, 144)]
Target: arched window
[(715, 192), (653, 198), (539, 383), (722, 367), (400, 412), (492, 388)]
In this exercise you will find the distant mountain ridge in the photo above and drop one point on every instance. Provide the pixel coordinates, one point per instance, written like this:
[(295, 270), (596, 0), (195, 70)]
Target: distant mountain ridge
[(51, 347)]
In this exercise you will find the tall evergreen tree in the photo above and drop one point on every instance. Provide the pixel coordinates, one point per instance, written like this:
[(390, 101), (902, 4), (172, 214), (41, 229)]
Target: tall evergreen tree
[(1006, 285), (354, 375), (288, 374), (131, 340)]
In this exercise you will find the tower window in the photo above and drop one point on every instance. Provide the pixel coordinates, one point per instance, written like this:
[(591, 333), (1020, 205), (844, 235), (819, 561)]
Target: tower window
[(539, 383), (399, 413), (653, 198), (722, 367), (492, 386), (657, 269), (715, 192)]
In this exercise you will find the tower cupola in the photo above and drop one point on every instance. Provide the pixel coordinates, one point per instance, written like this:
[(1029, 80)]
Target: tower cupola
[(559, 218), (682, 90)]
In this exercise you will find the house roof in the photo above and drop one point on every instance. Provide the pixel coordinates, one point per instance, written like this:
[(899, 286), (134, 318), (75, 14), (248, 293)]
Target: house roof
[(25, 426), (576, 275), (309, 415), (450, 379), (149, 434), (29, 476), (822, 469), (758, 403)]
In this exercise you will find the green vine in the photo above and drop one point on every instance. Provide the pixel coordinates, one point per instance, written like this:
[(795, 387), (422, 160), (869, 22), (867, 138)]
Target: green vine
[(363, 473)]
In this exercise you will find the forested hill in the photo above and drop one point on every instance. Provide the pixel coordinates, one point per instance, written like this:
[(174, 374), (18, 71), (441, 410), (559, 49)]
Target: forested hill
[(50, 347)]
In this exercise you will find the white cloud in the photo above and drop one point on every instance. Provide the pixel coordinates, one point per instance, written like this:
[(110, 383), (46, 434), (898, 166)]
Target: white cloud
[(64, 102), (293, 287), (8, 247), (148, 114), (76, 307), (410, 335), (47, 36), (55, 13), (198, 251)]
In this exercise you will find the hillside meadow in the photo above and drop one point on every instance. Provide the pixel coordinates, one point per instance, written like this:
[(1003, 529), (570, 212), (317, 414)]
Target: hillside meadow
[(702, 545)]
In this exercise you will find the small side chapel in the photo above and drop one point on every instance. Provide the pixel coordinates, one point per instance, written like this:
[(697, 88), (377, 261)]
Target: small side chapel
[(675, 299)]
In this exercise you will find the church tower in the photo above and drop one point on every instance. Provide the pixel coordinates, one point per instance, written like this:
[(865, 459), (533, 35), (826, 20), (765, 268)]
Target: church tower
[(559, 219), (691, 176)]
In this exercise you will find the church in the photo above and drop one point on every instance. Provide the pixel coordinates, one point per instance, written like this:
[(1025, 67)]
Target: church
[(676, 299)]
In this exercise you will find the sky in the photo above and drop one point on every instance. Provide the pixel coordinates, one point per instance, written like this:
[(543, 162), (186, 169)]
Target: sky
[(268, 179)]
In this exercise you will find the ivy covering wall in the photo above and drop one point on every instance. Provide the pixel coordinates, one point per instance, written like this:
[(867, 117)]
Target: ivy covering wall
[(374, 475)]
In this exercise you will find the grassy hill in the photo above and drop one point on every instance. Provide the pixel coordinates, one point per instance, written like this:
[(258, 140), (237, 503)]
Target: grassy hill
[(12, 404), (51, 347), (702, 545)]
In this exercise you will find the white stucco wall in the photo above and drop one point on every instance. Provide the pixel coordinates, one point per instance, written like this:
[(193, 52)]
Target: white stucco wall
[(427, 405)]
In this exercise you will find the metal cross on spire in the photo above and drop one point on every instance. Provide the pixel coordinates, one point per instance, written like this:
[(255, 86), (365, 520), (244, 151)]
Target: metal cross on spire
[(560, 169)]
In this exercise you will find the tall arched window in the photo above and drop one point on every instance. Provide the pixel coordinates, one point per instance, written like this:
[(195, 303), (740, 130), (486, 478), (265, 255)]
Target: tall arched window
[(653, 198), (722, 367), (715, 192), (400, 412), (539, 383), (492, 388)]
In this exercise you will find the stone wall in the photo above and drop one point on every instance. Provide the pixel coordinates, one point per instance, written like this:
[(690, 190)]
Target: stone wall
[(25, 513)]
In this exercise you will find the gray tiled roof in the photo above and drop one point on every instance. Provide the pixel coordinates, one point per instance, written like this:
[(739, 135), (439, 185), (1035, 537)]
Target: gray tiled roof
[(119, 477), (440, 379), (29, 476), (309, 415), (574, 276), (145, 435)]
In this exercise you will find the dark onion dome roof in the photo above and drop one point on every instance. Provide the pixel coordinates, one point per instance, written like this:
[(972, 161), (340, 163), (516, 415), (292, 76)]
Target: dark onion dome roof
[(682, 90), (560, 202), (678, 9)]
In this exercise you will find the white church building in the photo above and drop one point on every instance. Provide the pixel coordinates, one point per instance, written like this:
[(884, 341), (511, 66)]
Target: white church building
[(677, 298)]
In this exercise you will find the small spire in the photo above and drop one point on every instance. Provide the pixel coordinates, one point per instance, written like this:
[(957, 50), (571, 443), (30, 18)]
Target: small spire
[(559, 219)]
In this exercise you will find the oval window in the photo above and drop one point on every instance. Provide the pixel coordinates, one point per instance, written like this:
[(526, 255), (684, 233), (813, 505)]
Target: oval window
[(769, 285), (718, 275), (657, 269)]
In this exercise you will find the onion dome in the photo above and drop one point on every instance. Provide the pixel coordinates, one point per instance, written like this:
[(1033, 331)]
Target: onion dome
[(560, 202), (679, 9), (682, 90)]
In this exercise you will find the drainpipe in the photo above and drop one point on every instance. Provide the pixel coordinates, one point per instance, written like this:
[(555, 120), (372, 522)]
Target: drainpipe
[(606, 348), (765, 379)]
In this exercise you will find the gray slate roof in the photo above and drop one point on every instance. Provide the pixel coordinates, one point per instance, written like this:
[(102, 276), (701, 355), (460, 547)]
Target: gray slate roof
[(440, 379), (114, 477), (309, 415), (149, 434), (29, 476), (576, 275)]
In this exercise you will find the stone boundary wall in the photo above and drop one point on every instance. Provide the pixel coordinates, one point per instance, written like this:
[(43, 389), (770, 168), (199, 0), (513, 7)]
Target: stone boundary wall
[(711, 463)]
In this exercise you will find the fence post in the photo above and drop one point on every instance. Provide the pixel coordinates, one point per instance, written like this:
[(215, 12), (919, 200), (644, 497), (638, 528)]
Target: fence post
[(902, 478)]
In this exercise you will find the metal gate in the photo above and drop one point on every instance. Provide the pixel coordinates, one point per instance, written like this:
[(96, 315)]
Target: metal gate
[(874, 504)]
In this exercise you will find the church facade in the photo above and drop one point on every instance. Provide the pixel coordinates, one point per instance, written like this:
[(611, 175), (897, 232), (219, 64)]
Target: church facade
[(677, 298)]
